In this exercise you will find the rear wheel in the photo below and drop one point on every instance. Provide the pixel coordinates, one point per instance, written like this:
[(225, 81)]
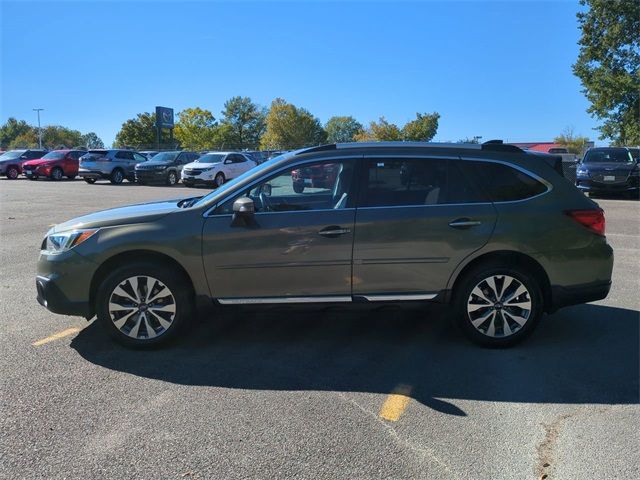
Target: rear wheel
[(143, 304), (57, 174), (90, 180), (12, 172), (117, 176), (172, 178), (498, 306)]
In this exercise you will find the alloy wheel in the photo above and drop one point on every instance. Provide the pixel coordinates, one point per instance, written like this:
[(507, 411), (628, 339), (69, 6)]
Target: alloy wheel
[(219, 180), (142, 307), (499, 306)]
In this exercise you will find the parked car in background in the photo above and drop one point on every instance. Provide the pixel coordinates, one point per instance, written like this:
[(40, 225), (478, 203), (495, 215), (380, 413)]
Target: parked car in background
[(165, 167), (501, 237), (54, 165), (215, 168), (316, 176), (11, 162), (149, 153), (114, 165), (609, 170)]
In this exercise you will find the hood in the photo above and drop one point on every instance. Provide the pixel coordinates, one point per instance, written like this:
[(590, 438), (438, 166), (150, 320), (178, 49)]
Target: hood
[(39, 161), (607, 166), (141, 213), (201, 165)]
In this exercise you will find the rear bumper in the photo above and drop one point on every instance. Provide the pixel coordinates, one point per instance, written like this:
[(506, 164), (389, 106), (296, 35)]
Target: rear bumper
[(95, 174), (574, 295)]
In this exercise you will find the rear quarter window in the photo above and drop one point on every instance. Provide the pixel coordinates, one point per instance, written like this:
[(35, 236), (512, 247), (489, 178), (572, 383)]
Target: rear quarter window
[(501, 182)]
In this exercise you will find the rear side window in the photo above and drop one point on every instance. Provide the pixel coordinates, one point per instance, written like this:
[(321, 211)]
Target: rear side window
[(501, 182), (420, 181)]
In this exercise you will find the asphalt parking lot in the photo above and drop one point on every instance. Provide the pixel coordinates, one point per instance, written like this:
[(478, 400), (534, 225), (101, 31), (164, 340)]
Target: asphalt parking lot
[(330, 393)]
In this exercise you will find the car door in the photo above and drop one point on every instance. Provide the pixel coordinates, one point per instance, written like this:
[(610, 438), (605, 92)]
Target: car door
[(417, 219), (296, 247), (242, 164), (233, 165), (71, 161)]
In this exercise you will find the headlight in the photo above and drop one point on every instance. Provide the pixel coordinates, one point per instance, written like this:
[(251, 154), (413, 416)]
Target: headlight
[(582, 171), (160, 167), (63, 241)]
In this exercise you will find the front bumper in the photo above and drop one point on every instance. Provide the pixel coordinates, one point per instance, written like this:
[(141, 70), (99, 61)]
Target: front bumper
[(202, 179), (588, 185), (63, 283), (151, 176)]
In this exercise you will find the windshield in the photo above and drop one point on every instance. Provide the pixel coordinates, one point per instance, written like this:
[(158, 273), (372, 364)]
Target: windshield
[(635, 153), (165, 157), (211, 158), (53, 156), (11, 155), (616, 155), (232, 183)]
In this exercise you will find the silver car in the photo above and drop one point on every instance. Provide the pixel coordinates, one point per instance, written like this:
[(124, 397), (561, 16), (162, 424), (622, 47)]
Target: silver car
[(113, 165)]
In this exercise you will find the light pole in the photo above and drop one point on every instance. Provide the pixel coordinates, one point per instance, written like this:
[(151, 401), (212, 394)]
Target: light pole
[(39, 129)]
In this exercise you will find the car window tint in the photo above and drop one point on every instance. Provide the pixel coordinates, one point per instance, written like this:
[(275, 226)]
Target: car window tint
[(317, 186), (461, 187), (501, 182), (391, 182), (139, 158), (240, 159)]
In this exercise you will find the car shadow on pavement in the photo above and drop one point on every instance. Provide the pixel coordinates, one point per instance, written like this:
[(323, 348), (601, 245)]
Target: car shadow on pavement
[(584, 354)]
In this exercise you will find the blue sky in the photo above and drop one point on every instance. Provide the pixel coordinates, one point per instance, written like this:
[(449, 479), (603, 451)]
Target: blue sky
[(495, 69)]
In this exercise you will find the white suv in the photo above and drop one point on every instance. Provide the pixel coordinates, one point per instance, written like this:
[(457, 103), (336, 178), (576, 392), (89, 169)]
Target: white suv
[(215, 168)]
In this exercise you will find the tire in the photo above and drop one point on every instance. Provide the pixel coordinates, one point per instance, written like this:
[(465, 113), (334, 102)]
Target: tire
[(117, 292), (219, 179), (90, 181), (117, 176), (492, 327), (57, 174), (172, 178), (298, 187), (12, 172)]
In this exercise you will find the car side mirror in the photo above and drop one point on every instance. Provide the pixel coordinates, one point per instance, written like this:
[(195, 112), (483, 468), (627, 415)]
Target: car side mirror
[(227, 162), (244, 206)]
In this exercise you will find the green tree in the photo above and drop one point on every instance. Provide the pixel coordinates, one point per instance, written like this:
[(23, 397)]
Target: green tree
[(11, 130), (196, 129), (289, 127), (574, 143), (92, 140), (380, 131), (422, 129), (139, 132), (246, 120), (28, 139), (342, 129), (608, 66), (469, 140), (55, 136)]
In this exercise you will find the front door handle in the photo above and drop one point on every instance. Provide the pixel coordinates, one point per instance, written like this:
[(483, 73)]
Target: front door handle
[(333, 231), (464, 223)]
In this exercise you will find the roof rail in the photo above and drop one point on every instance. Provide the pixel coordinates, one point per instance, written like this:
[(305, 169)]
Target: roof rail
[(500, 146), (405, 145)]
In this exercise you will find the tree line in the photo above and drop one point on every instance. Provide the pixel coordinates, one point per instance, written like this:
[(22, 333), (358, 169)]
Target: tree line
[(19, 134), (283, 126)]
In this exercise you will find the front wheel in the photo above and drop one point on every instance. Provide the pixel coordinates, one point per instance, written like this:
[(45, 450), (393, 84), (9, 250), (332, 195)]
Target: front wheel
[(219, 180), (172, 178), (143, 304), (57, 174), (497, 306)]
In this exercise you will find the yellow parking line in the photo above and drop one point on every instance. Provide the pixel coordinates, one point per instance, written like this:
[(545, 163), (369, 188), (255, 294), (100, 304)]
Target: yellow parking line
[(396, 403), (57, 336)]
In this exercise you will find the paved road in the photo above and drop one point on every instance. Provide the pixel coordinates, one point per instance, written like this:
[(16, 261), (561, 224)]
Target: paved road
[(307, 393)]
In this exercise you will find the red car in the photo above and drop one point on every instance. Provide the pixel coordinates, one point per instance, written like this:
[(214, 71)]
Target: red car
[(54, 165), (318, 176)]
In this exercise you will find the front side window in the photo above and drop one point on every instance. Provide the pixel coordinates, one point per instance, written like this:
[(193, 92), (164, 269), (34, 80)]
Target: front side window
[(54, 156), (315, 186)]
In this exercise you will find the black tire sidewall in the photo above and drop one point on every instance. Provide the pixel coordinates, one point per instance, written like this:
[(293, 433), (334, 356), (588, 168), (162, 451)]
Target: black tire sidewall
[(474, 277), (57, 169), (12, 169), (221, 175), (175, 282), (114, 176)]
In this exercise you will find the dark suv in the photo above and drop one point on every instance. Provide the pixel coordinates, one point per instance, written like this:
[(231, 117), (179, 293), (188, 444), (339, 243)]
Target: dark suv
[(11, 162), (164, 167), (496, 232)]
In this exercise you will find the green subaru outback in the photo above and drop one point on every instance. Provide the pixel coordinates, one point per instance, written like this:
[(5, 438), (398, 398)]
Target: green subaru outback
[(494, 231)]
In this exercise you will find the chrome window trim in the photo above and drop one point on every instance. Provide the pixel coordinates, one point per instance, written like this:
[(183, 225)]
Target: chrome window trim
[(260, 300), (206, 213)]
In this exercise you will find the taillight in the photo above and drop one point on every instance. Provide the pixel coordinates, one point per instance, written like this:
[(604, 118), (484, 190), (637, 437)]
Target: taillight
[(591, 219)]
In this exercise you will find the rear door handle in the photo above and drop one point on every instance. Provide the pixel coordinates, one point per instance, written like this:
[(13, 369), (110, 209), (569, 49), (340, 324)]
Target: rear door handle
[(333, 231), (464, 223)]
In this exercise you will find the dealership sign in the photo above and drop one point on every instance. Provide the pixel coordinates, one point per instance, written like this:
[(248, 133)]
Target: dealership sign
[(164, 117)]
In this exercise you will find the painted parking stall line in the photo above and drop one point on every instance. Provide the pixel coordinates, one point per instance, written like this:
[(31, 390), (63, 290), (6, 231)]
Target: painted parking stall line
[(396, 403), (56, 336)]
